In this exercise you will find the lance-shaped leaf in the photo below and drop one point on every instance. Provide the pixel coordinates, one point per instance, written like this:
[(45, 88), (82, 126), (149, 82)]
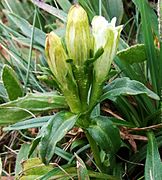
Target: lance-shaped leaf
[(30, 105), (30, 123), (12, 84), (71, 172), (26, 28), (125, 86), (105, 133), (133, 54), (21, 156), (54, 131), (33, 168)]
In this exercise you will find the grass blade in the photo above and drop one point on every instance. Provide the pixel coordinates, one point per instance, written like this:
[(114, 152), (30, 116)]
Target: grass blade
[(30, 50), (152, 62), (153, 167), (52, 10)]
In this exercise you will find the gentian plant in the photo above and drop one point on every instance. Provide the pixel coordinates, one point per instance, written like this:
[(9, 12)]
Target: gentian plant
[(79, 63)]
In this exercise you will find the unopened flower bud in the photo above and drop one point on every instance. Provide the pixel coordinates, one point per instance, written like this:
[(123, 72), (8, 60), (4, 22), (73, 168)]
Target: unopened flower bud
[(78, 39), (56, 57), (106, 35)]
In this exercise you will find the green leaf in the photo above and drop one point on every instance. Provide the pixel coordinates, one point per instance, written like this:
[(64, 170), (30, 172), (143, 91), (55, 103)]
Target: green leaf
[(150, 26), (22, 156), (105, 134), (31, 123), (58, 151), (67, 172), (35, 143), (26, 28), (30, 105), (63, 154), (125, 86), (64, 4), (160, 17), (11, 83), (149, 11), (52, 10), (96, 111), (153, 166), (77, 143), (23, 9), (33, 168), (3, 93), (81, 169), (0, 167), (120, 122), (55, 130), (115, 9), (133, 54)]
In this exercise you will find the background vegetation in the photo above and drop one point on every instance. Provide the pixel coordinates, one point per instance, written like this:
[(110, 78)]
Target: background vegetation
[(130, 103)]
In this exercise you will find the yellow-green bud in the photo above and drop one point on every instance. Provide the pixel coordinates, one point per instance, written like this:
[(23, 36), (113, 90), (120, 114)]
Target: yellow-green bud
[(56, 57), (78, 38), (106, 35)]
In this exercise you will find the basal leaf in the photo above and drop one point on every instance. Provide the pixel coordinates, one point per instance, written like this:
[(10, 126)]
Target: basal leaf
[(3, 93), (55, 130), (11, 82), (71, 172), (125, 86), (22, 156), (133, 54), (105, 134), (33, 168), (31, 123), (30, 105)]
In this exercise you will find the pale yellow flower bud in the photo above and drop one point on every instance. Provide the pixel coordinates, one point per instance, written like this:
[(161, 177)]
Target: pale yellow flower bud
[(56, 57), (78, 38)]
